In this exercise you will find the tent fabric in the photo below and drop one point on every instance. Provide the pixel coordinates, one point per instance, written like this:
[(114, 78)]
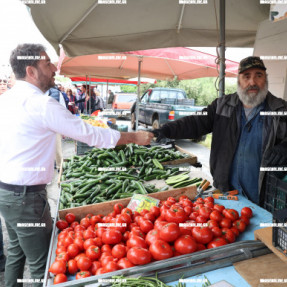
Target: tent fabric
[(160, 64), (87, 27), (104, 81)]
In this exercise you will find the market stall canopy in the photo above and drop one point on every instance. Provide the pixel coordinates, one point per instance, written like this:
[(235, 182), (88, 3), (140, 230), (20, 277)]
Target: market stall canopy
[(87, 27), (161, 64), (104, 81)]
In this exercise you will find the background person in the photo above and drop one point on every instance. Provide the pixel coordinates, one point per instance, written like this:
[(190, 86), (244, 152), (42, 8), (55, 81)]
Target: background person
[(3, 85), (242, 139), (27, 154)]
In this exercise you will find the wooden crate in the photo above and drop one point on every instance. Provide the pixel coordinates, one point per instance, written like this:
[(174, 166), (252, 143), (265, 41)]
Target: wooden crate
[(107, 207), (192, 159)]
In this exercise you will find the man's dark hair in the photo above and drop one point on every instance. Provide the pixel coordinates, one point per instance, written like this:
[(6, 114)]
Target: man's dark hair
[(19, 64)]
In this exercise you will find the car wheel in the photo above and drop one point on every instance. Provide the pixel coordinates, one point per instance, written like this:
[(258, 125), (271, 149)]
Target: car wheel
[(133, 121), (155, 124)]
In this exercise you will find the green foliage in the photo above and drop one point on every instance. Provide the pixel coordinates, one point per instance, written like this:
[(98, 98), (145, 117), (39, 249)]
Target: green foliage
[(128, 89), (202, 90)]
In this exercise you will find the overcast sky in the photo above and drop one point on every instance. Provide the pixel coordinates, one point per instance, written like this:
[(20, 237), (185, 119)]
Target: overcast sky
[(18, 27)]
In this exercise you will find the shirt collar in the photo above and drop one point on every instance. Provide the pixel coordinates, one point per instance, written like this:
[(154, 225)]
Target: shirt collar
[(20, 83)]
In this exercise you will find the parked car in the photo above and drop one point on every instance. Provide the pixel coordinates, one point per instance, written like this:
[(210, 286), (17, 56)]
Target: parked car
[(122, 103), (161, 105)]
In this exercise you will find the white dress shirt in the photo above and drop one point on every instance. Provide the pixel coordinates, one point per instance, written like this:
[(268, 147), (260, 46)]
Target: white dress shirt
[(29, 122)]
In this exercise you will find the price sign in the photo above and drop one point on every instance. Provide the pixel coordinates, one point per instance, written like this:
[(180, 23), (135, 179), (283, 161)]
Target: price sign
[(140, 202)]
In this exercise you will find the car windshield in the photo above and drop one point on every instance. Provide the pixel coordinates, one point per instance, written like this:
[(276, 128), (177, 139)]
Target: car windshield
[(126, 98)]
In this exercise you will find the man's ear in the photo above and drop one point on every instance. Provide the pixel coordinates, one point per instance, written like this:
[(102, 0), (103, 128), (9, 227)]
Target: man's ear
[(31, 72)]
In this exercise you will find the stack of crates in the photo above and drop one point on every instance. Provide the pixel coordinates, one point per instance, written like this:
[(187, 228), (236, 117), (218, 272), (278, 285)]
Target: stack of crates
[(276, 202)]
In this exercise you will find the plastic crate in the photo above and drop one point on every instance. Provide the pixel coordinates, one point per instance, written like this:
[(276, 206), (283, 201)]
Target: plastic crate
[(279, 233), (275, 193), (81, 148)]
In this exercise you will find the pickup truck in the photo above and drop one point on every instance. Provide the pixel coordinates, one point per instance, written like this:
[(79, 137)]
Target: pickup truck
[(161, 105)]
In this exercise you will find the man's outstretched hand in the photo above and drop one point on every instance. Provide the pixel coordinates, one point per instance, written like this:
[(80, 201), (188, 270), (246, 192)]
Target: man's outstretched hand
[(158, 134)]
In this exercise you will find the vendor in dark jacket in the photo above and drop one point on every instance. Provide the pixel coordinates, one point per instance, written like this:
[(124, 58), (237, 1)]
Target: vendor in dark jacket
[(244, 137)]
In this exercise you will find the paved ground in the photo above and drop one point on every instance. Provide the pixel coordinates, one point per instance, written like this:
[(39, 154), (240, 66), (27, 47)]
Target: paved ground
[(68, 150)]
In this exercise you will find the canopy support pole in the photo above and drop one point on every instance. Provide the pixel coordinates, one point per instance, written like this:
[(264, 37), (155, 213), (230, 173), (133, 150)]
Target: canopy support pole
[(140, 59), (222, 48)]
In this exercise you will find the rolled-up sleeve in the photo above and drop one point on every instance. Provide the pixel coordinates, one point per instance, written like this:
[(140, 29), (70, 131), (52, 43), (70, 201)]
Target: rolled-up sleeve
[(60, 120)]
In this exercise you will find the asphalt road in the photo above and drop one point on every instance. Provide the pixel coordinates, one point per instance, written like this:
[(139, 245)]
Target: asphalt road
[(68, 146)]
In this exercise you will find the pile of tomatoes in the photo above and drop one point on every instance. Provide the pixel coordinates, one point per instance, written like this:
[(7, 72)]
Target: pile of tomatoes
[(89, 247)]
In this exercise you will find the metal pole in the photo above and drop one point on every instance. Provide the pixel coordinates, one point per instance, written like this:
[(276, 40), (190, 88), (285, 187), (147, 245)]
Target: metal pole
[(138, 97), (222, 49), (107, 94), (85, 103)]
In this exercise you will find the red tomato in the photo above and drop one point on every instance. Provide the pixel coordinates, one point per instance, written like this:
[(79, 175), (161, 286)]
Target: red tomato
[(119, 251), (193, 215), (93, 252), (232, 214), (118, 207), (60, 278), (216, 215), (58, 267), (74, 224), (106, 248), (217, 232), (185, 229), (70, 217), (144, 212), (245, 219), (128, 211), (224, 211), (84, 263), (68, 241), (98, 241), (228, 235), (200, 200), (158, 224), (216, 242), (205, 212), (85, 222), (200, 247), (88, 242), (83, 274), (188, 210), (126, 218), (136, 241), (72, 266), (171, 200), (246, 211), (209, 204), (186, 202), (95, 219), (100, 231), (160, 250), (235, 231), (219, 207), (169, 232), (111, 236), (95, 266), (139, 256), (175, 214), (105, 254), (212, 223), (61, 249), (240, 225), (106, 259), (185, 244), (182, 197), (152, 236), (209, 199), (100, 271), (125, 263), (202, 234), (79, 228), (137, 232), (73, 250), (225, 222), (79, 256), (146, 225), (201, 219), (62, 224), (62, 256), (197, 206), (155, 211), (150, 216), (111, 266)]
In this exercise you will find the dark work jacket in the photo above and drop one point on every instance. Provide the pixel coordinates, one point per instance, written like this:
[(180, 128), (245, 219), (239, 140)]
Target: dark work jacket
[(223, 120)]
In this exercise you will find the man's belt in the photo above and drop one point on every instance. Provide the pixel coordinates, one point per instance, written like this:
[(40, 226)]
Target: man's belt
[(21, 188)]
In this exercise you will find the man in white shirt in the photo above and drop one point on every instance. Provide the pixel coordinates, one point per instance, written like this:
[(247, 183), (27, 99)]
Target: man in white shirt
[(27, 151)]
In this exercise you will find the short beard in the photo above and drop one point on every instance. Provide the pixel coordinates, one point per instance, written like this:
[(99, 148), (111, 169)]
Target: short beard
[(254, 99)]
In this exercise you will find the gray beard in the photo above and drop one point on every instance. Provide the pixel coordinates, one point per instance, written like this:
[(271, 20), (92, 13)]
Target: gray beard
[(254, 99)]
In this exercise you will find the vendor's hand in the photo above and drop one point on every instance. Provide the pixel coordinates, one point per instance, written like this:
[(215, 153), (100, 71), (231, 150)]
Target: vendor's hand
[(143, 138), (158, 133)]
